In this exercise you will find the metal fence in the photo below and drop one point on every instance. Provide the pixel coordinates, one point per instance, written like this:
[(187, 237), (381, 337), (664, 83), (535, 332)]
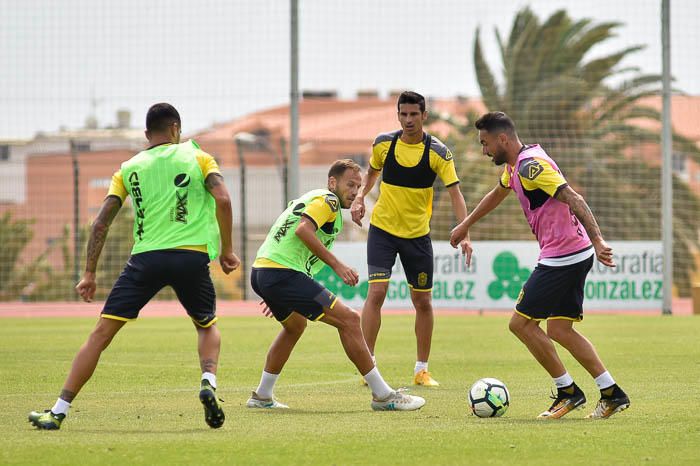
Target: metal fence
[(580, 78)]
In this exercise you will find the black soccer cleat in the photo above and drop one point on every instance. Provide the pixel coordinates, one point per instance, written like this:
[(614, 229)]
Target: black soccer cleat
[(213, 413), (567, 399), (612, 400)]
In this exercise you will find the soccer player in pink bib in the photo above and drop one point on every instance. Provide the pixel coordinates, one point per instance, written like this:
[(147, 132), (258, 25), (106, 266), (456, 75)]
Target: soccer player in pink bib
[(569, 237)]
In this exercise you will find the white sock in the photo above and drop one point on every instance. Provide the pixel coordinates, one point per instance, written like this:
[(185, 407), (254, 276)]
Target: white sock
[(420, 366), (563, 381), (210, 377), (267, 384), (380, 389), (604, 381), (61, 407)]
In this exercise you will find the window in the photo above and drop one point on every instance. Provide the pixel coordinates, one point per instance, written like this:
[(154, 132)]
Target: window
[(81, 146), (360, 159), (679, 163), (4, 153)]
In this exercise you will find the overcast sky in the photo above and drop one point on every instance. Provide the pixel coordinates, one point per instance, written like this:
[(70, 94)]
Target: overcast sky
[(216, 59)]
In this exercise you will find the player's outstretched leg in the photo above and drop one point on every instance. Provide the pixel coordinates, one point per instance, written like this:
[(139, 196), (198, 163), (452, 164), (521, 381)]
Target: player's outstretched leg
[(569, 396), (384, 398), (612, 398), (82, 369)]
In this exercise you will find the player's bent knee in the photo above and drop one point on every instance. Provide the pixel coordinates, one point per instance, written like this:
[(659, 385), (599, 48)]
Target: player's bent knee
[(514, 327), (296, 329), (104, 332), (517, 324), (295, 324), (558, 333), (347, 316), (100, 339), (423, 305), (377, 291)]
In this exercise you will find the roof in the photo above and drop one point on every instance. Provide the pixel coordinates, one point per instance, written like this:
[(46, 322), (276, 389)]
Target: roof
[(333, 120)]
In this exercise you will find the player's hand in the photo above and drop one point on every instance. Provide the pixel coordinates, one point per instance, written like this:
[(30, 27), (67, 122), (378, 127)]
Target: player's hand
[(266, 310), (458, 234), (604, 253), (229, 262), (357, 210), (348, 275), (466, 246), (87, 286)]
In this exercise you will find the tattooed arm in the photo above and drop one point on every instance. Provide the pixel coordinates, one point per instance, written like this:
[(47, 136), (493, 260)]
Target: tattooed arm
[(583, 213), (98, 235)]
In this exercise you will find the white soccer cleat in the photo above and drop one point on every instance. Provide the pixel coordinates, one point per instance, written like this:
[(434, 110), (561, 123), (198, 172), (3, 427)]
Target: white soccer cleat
[(398, 401), (256, 402)]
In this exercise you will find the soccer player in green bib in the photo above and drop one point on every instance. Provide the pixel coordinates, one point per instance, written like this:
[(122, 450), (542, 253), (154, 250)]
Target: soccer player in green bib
[(182, 215), (296, 248)]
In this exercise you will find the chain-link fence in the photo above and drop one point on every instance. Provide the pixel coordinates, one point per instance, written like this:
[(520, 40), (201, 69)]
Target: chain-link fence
[(580, 78)]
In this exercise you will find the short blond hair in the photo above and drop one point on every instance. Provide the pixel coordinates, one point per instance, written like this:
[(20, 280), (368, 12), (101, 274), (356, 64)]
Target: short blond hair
[(339, 166)]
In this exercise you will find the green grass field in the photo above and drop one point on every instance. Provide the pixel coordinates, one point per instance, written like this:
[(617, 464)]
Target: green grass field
[(141, 405)]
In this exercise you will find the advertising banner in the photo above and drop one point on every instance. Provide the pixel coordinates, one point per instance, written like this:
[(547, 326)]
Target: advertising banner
[(498, 271)]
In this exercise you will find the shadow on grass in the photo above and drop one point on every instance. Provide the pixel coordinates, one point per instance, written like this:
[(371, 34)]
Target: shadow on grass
[(203, 430), (308, 412)]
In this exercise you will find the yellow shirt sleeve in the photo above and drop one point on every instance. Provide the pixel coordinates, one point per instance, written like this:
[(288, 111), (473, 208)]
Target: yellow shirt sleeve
[(116, 187), (322, 209), (379, 152), (505, 179), (539, 174), (207, 164), (444, 167)]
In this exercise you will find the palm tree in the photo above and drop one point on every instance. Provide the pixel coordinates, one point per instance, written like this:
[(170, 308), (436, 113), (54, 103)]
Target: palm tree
[(563, 99)]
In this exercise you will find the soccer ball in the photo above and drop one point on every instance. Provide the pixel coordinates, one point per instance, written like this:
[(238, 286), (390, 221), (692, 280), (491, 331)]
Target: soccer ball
[(489, 398)]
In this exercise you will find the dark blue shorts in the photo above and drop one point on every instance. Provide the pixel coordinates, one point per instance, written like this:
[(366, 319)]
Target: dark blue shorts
[(554, 292), (145, 274), (416, 256), (286, 291)]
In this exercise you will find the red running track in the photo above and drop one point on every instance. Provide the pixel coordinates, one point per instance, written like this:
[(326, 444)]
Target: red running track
[(681, 306)]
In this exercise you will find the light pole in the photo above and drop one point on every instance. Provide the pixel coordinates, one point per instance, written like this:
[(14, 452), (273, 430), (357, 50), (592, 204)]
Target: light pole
[(76, 210), (240, 139)]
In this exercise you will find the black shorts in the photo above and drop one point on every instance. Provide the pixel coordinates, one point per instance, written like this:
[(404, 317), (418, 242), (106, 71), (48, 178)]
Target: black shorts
[(145, 274), (416, 256), (554, 292), (286, 291)]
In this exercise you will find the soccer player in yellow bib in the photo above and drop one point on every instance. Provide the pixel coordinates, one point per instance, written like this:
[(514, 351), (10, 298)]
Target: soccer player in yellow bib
[(409, 160)]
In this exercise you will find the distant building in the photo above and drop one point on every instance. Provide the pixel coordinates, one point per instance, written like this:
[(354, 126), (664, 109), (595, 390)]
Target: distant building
[(36, 177), (14, 154)]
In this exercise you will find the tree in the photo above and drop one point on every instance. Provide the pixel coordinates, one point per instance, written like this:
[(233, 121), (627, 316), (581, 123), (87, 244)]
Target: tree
[(52, 283), (14, 275), (586, 112)]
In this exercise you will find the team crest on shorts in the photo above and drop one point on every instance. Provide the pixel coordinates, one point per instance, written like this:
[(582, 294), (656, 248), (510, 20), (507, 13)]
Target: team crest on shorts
[(422, 279)]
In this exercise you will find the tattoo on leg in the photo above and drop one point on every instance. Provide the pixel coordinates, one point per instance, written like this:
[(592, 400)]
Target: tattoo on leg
[(67, 395), (208, 365)]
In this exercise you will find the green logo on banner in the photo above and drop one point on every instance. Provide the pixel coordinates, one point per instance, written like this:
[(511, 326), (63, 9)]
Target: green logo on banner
[(509, 276), (334, 284)]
